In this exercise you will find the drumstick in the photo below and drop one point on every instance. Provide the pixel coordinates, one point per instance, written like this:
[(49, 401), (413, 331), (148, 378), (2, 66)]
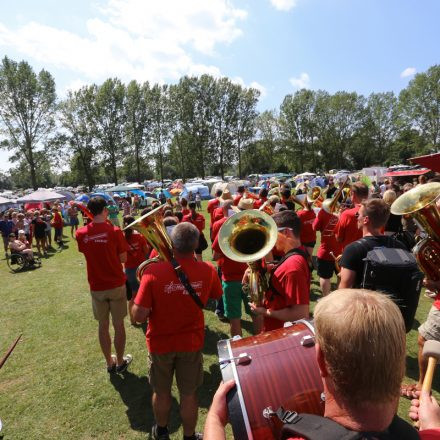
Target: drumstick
[(8, 353)]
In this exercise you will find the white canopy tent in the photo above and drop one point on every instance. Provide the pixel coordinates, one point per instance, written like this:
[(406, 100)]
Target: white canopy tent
[(41, 195)]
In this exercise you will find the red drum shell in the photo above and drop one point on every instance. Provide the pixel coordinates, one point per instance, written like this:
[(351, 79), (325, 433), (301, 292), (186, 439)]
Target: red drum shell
[(282, 372)]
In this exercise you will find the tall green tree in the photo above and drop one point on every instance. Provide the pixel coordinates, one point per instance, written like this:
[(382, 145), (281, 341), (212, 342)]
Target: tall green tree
[(77, 118), (138, 125), (420, 105), (27, 109), (110, 118)]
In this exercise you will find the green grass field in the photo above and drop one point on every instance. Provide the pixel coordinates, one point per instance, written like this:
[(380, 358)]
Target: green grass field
[(55, 385)]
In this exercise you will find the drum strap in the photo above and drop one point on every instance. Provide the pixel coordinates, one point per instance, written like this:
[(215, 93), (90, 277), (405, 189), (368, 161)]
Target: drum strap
[(313, 427), (184, 280)]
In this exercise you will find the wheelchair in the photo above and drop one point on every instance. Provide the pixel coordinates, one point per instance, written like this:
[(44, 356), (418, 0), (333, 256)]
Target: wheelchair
[(17, 262)]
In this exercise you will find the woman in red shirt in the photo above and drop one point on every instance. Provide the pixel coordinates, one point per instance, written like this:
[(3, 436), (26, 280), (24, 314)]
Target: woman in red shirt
[(199, 221), (138, 250)]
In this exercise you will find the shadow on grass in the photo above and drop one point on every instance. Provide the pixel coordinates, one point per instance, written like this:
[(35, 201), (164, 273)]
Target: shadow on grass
[(211, 381), (136, 394), (211, 339)]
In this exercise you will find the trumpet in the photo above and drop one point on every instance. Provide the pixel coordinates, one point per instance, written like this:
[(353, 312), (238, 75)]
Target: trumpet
[(247, 237)]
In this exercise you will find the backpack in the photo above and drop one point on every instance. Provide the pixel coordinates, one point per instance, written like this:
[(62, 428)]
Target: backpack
[(393, 271), (313, 427)]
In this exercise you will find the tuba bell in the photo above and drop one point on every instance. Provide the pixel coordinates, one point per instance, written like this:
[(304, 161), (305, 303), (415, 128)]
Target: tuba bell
[(333, 205), (152, 228), (421, 204), (247, 237), (315, 196)]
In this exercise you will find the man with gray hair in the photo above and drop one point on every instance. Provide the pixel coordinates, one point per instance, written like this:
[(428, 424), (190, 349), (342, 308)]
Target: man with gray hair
[(176, 328)]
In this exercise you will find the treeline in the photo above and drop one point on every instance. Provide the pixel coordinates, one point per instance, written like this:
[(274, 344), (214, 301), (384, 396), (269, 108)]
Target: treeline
[(203, 126)]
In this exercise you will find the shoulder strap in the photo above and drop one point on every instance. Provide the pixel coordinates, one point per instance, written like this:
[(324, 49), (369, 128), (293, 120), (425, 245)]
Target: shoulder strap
[(296, 251), (313, 427), (184, 280)]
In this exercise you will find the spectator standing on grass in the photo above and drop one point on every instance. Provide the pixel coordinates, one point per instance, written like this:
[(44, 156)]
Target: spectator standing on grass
[(57, 224), (72, 213), (6, 227), (126, 208), (47, 217), (39, 226), (105, 250), (113, 212), (198, 201)]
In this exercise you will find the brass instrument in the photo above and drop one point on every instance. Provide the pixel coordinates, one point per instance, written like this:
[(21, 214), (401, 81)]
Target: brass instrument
[(247, 237), (315, 196), (151, 227), (421, 204), (333, 205)]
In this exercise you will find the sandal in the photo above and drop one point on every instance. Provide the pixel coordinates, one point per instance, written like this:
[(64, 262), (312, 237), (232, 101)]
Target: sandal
[(408, 391)]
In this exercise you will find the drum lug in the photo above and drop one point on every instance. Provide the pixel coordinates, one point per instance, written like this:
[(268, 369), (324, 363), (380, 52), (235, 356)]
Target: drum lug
[(241, 359), (268, 412), (308, 341)]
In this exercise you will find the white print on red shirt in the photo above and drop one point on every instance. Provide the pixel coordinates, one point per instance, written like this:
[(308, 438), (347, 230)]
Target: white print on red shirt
[(96, 238), (178, 287), (329, 229)]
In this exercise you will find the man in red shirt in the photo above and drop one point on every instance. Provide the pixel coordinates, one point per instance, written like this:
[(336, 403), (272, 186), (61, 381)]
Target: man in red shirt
[(289, 295), (239, 195), (225, 210), (57, 224), (308, 234), (346, 230), (328, 250), (262, 198), (176, 329), (105, 249)]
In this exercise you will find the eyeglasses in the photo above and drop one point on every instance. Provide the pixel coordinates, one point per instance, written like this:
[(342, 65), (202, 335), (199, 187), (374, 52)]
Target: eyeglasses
[(284, 229)]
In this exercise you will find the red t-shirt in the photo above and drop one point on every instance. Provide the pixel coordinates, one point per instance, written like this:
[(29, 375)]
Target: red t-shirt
[(57, 221), (325, 223), (216, 227), (176, 322), (135, 253), (347, 227), (212, 205), (237, 198), (101, 244), (231, 270), (258, 203), (308, 234), (185, 211), (199, 221), (292, 281), (217, 215)]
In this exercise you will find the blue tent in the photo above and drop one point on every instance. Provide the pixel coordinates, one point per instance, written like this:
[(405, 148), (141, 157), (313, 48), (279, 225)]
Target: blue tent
[(202, 189), (105, 196), (168, 195), (83, 198)]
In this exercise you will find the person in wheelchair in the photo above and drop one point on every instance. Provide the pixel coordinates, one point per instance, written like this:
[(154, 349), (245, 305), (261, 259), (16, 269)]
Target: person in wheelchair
[(18, 247)]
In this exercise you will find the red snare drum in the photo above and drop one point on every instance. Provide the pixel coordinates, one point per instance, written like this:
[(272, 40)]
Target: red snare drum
[(272, 369)]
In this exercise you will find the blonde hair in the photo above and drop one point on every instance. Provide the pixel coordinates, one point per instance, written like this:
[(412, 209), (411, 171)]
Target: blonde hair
[(362, 336), (389, 196)]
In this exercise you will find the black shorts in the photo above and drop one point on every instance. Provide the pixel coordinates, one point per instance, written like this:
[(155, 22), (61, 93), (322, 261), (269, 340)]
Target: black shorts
[(326, 268)]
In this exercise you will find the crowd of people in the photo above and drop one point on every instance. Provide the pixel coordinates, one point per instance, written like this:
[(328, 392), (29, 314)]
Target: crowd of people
[(361, 390)]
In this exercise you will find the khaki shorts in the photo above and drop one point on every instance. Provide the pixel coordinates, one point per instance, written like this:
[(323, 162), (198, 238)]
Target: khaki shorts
[(112, 301), (188, 367), (430, 329)]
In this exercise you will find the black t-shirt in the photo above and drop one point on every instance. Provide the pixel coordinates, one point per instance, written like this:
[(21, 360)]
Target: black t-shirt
[(354, 253), (330, 192), (39, 228), (394, 223)]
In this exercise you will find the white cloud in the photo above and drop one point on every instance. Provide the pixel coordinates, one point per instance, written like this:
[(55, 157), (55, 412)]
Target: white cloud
[(409, 71), (133, 39), (300, 82), (283, 5)]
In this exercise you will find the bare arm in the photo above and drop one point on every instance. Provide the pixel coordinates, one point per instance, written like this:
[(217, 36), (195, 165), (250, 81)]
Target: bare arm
[(140, 313), (348, 277), (291, 313), (123, 257)]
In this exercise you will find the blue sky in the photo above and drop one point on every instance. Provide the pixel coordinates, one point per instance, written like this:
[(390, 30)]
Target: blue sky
[(277, 46)]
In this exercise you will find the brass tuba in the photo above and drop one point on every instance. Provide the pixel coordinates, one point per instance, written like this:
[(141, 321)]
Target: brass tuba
[(421, 203), (314, 196), (247, 237), (151, 227)]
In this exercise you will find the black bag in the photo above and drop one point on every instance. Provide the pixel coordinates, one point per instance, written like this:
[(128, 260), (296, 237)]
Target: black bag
[(313, 427), (394, 271)]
